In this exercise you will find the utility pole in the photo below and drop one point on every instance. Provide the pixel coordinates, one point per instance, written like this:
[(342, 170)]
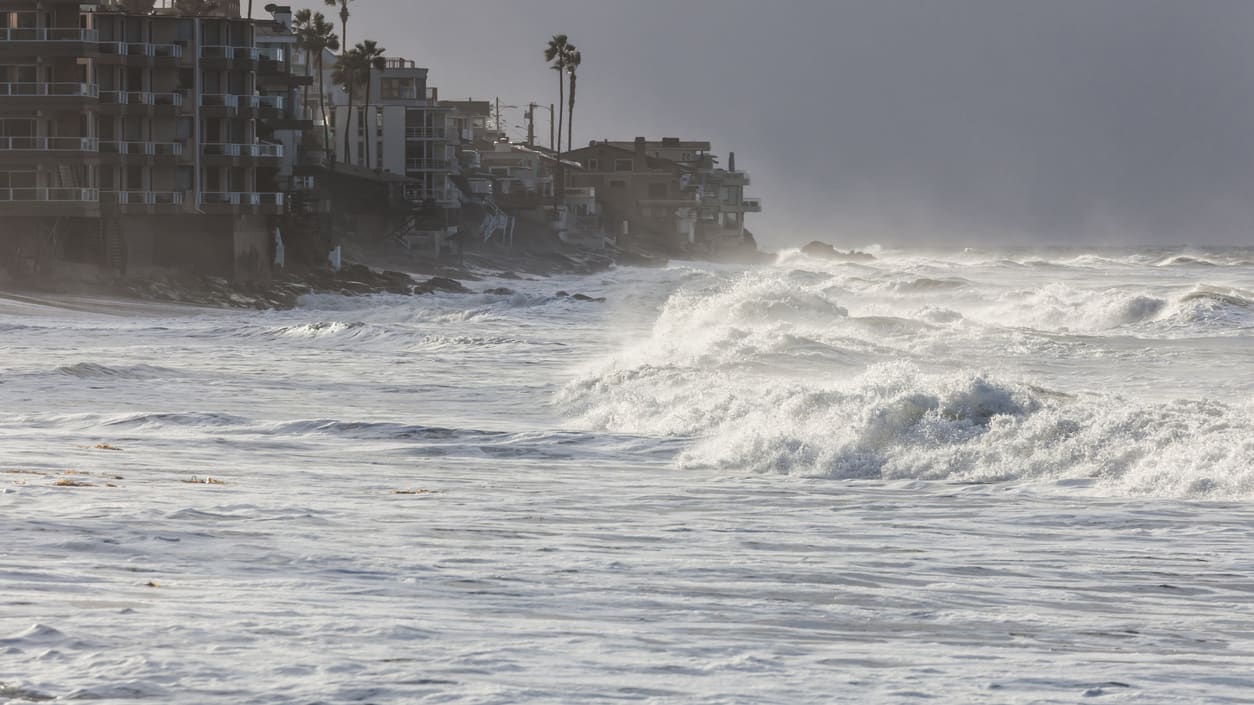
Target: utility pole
[(552, 145), (498, 114), (531, 124)]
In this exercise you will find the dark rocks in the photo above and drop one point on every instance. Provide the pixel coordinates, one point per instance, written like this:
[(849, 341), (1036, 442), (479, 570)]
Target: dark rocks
[(579, 297), (823, 250), (443, 284)]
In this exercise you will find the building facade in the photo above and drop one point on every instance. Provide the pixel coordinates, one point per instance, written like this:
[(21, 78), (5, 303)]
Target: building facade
[(130, 139), (405, 131)]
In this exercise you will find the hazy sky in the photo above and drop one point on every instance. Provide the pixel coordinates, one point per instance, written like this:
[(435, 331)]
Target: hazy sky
[(893, 121)]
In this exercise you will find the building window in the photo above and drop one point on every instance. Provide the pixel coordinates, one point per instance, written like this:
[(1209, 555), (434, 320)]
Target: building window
[(594, 164), (622, 165)]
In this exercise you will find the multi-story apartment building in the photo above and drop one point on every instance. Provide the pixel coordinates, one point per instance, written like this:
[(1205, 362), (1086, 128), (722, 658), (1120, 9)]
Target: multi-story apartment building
[(407, 131), (129, 137), (720, 191)]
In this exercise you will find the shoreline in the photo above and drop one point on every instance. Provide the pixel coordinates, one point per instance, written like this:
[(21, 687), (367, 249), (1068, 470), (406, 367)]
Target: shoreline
[(368, 270)]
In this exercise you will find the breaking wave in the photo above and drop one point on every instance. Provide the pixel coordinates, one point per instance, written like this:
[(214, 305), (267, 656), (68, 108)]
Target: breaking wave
[(774, 373)]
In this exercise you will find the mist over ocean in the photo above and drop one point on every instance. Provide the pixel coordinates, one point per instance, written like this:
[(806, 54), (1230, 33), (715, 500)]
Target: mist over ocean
[(962, 476)]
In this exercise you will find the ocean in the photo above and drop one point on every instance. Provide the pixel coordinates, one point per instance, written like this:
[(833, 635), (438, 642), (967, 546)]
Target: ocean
[(950, 476)]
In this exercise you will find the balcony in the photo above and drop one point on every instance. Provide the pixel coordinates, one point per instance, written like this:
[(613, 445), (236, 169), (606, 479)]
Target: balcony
[(254, 151), (219, 100), (10, 145), (275, 54), (273, 102), (142, 149), (227, 201), (47, 41), (424, 133), (49, 34), (141, 98), (229, 53), (48, 90), (426, 165), (42, 194), (141, 50), (752, 204), (143, 198)]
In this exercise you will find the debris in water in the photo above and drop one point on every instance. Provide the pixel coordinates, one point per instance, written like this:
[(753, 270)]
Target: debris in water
[(105, 446), (204, 481), (418, 491), (72, 483)]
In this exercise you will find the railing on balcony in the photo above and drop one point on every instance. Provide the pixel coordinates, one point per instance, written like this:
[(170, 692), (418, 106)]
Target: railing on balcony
[(240, 198), (224, 149), (42, 194), (48, 144), (752, 203), (143, 198), (219, 100), (420, 133), (80, 90), (48, 34), (426, 164), (172, 51), (216, 51), (142, 149), (270, 101), (270, 54), (140, 98)]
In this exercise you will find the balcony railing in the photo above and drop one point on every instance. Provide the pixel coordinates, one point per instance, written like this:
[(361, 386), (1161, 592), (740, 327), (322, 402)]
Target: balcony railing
[(173, 51), (140, 98), (240, 198), (270, 53), (219, 100), (420, 133), (426, 164), (41, 194), (48, 34), (270, 101), (224, 149), (48, 144), (753, 204), (71, 90), (143, 198), (142, 149), (216, 51)]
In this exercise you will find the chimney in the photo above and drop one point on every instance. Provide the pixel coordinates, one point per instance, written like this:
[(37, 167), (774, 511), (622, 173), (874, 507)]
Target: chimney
[(731, 162)]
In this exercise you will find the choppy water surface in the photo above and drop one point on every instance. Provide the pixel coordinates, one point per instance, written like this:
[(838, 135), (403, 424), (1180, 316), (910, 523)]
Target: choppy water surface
[(960, 477)]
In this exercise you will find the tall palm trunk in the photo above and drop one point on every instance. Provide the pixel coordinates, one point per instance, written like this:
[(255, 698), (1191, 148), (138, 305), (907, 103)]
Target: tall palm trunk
[(348, 124), (322, 107), (308, 72), (561, 106), (367, 126), (570, 119)]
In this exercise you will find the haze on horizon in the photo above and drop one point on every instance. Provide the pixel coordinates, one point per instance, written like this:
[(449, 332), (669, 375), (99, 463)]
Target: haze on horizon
[(895, 121)]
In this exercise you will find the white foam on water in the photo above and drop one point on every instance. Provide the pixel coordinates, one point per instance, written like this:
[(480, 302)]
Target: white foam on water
[(969, 477)]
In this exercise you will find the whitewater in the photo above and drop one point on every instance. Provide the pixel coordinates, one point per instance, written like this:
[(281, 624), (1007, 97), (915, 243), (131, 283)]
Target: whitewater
[(951, 476)]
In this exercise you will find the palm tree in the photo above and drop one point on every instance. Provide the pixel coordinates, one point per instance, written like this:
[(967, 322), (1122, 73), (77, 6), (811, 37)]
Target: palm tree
[(573, 61), (371, 57), (347, 73), (343, 5), (556, 54), (315, 35)]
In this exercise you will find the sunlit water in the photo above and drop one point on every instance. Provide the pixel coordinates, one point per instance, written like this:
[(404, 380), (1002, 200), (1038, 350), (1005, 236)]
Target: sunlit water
[(965, 477)]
